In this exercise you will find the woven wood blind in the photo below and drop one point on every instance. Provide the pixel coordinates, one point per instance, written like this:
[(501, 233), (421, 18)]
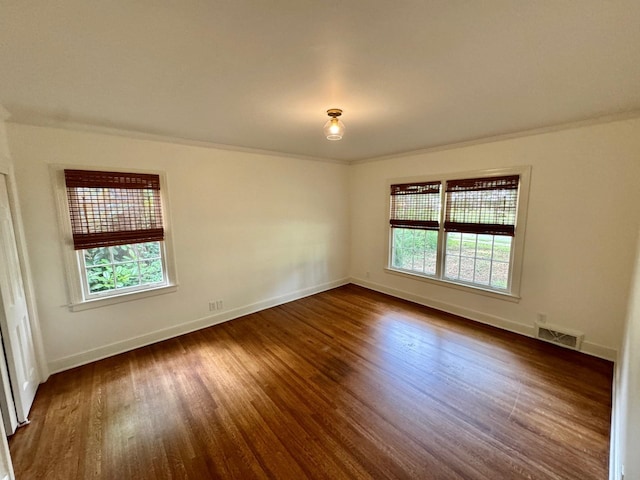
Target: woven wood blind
[(415, 205), (113, 208), (482, 205)]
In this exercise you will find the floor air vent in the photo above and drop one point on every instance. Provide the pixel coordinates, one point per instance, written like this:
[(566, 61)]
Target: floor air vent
[(559, 336)]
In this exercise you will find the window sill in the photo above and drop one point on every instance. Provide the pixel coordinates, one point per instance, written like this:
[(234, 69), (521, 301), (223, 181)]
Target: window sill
[(509, 297), (124, 297)]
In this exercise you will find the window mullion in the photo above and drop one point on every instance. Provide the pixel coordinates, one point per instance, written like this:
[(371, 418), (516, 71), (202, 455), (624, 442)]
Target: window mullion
[(441, 247), (474, 258), (511, 261), (135, 248), (459, 255), (493, 244), (112, 262), (413, 249), (424, 250)]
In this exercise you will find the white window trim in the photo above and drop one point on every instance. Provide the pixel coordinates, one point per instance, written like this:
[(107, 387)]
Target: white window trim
[(517, 252), (71, 263)]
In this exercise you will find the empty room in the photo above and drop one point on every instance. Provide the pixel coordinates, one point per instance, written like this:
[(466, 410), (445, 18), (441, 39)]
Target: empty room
[(324, 240)]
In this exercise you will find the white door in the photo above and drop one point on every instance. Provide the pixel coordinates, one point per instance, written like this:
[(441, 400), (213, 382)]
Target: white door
[(14, 320)]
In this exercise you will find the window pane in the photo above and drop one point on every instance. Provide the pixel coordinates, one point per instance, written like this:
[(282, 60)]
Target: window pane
[(148, 250), (469, 244), (430, 251), (127, 275), (454, 241), (100, 279), (500, 275), (123, 267), (502, 248), (466, 269), (482, 272), (151, 271), (485, 246), (124, 253), (414, 250), (398, 254), (452, 266), (97, 256), (481, 260)]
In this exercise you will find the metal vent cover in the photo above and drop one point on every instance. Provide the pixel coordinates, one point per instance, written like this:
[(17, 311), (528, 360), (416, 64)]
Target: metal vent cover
[(559, 336)]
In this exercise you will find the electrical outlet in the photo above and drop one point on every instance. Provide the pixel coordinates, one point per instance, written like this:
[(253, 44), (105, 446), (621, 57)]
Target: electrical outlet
[(215, 305), (542, 317)]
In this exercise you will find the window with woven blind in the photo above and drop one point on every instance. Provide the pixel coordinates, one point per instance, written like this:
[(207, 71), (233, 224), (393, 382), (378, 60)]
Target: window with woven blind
[(470, 234), (415, 221), (482, 205), (113, 208), (416, 205), (118, 236)]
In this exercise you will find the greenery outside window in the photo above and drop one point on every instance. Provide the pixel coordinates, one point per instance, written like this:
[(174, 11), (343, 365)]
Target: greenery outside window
[(462, 230), (122, 268)]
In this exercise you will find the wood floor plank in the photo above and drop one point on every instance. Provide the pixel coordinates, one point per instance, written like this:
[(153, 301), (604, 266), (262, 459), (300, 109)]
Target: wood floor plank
[(346, 384)]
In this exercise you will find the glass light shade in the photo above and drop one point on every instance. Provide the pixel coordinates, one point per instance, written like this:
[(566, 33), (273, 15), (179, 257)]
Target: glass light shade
[(334, 129)]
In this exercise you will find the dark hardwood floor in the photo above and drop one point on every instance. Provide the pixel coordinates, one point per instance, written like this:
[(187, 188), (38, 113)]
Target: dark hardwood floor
[(346, 384)]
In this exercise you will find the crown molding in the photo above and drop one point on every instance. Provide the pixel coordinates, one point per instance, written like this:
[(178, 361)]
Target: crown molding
[(152, 137), (625, 115), (137, 135)]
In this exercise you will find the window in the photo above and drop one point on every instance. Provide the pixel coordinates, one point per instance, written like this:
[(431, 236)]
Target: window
[(415, 222), (122, 268), (465, 231), (117, 234)]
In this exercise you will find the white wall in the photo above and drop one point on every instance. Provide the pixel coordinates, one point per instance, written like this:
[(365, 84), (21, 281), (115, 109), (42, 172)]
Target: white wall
[(5, 158), (626, 429), (251, 229), (6, 466), (580, 237), (256, 229)]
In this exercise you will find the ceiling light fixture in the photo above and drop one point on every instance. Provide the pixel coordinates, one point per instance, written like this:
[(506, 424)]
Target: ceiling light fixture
[(334, 128)]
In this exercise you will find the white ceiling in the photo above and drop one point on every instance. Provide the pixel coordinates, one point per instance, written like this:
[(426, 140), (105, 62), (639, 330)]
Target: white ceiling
[(261, 74)]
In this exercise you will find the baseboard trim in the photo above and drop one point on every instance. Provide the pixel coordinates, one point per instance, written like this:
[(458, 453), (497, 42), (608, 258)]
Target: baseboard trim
[(95, 354), (92, 355), (493, 320), (599, 351)]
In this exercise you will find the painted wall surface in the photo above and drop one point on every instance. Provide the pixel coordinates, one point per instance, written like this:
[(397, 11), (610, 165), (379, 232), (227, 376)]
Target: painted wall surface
[(627, 408), (247, 229), (4, 143), (580, 245), (250, 228), (6, 466)]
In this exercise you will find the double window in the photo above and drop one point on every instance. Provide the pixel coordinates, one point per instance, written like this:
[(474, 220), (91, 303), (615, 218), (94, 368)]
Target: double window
[(466, 231), (118, 233)]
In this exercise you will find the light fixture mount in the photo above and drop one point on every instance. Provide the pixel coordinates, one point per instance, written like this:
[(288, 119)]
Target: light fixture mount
[(334, 128)]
